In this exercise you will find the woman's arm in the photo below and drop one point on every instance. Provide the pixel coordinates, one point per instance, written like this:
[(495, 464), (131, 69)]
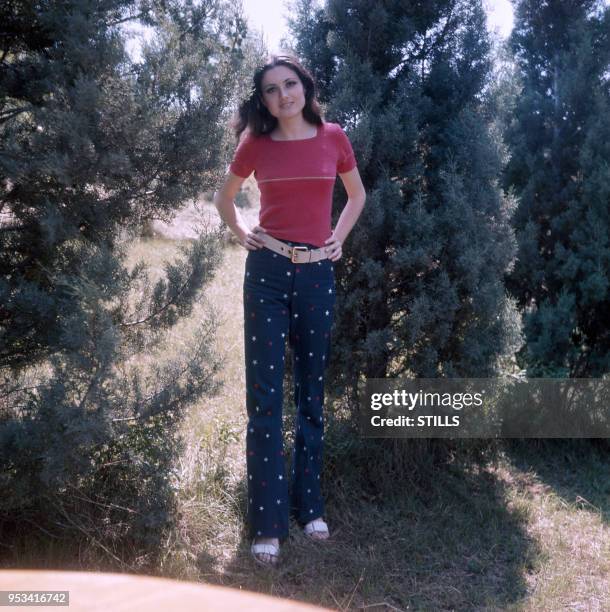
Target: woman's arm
[(356, 197), (224, 202)]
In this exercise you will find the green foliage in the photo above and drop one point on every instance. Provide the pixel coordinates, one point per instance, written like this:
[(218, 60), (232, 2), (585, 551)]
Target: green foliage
[(559, 170), (368, 467), (94, 144), (420, 285)]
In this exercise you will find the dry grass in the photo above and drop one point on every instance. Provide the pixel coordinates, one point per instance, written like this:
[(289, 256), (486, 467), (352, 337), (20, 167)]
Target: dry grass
[(569, 513)]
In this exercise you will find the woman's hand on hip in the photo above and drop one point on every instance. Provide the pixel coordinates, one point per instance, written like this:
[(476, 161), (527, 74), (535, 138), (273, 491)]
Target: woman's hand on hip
[(333, 248), (251, 241)]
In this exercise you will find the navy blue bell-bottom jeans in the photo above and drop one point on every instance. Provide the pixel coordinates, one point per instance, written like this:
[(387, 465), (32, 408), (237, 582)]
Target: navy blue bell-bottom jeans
[(285, 302)]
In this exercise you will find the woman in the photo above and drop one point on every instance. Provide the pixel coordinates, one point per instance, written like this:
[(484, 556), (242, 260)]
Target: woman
[(288, 287)]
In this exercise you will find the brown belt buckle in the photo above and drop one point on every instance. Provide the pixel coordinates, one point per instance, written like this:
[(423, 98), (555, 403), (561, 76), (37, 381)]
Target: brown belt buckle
[(295, 249)]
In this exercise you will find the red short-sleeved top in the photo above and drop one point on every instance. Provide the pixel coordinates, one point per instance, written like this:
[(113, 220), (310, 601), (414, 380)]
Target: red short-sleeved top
[(296, 180)]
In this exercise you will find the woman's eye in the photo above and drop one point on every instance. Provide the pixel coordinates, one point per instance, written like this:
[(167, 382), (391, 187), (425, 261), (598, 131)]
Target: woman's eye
[(272, 89)]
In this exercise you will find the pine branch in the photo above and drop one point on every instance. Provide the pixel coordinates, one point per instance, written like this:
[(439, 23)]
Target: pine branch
[(59, 506), (14, 228), (8, 115), (79, 495), (160, 310), (425, 49), (112, 24)]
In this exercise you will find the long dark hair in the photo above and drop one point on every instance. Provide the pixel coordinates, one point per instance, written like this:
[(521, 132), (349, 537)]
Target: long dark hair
[(253, 114)]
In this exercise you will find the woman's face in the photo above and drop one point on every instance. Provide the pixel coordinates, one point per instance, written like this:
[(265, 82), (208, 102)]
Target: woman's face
[(283, 92)]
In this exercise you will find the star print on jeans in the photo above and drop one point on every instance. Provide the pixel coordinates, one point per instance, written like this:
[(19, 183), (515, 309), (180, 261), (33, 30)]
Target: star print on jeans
[(296, 310)]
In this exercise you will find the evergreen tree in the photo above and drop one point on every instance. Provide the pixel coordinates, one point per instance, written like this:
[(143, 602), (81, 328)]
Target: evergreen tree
[(420, 289), (559, 170), (93, 144)]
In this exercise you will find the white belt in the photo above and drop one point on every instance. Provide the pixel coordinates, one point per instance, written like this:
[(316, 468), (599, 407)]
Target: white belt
[(296, 254)]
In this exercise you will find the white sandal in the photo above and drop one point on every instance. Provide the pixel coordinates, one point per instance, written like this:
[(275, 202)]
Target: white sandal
[(317, 526), (265, 549)]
